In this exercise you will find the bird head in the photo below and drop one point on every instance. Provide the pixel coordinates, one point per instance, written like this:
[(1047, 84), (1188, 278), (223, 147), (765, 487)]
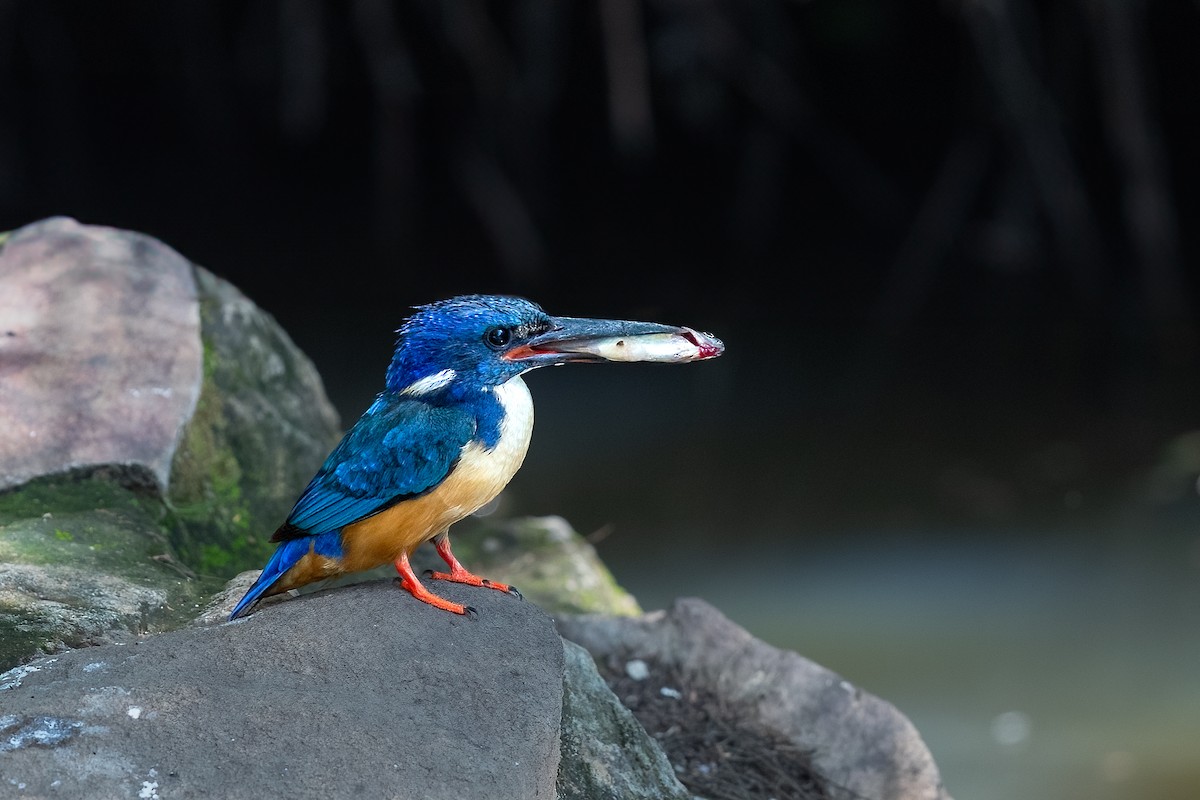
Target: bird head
[(481, 341)]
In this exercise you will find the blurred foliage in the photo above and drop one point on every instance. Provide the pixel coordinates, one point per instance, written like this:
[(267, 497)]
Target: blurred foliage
[(904, 163)]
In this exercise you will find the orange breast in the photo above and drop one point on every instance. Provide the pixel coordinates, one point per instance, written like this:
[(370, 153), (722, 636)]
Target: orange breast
[(478, 477)]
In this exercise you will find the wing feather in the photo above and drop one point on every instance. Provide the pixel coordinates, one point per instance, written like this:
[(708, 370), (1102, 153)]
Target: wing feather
[(399, 449)]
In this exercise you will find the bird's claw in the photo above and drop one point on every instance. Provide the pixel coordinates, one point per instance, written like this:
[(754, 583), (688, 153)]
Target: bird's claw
[(505, 587), (469, 612)]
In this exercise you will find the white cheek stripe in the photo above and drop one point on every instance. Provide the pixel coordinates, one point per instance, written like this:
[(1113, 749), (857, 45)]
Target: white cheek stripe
[(430, 383)]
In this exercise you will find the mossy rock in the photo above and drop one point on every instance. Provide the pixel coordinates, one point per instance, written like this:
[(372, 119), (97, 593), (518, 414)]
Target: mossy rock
[(126, 500), (261, 428), (547, 560), (551, 564), (84, 560)]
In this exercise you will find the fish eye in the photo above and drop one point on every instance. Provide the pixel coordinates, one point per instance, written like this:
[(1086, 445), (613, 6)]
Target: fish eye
[(498, 337)]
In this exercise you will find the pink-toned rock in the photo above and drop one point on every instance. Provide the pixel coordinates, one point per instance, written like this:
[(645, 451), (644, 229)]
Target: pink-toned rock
[(100, 354)]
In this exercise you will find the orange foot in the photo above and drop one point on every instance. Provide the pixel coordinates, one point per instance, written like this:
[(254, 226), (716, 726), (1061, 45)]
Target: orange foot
[(459, 574), (409, 583)]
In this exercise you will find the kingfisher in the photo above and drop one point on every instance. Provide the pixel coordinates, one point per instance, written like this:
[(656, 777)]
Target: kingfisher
[(447, 433)]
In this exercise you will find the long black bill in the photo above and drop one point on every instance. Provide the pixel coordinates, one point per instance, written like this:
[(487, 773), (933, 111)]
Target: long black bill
[(578, 339)]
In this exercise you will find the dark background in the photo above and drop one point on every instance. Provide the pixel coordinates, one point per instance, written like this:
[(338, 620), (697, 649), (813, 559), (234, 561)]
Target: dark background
[(949, 246)]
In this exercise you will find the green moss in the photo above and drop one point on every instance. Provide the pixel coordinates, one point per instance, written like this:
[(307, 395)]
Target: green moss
[(91, 559), (69, 493), (211, 522), (119, 535), (20, 639), (260, 429)]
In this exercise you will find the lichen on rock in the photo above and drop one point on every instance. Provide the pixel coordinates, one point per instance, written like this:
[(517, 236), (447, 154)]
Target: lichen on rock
[(83, 561), (262, 427)]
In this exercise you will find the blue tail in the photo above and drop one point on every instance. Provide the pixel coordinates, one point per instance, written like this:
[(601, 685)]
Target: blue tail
[(285, 557)]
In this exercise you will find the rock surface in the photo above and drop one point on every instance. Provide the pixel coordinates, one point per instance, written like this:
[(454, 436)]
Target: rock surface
[(358, 692), (100, 356), (606, 754), (547, 560), (544, 557), (261, 428), (83, 561), (860, 745), (175, 424)]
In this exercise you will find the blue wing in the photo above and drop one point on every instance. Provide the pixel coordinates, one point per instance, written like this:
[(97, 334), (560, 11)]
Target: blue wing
[(400, 448)]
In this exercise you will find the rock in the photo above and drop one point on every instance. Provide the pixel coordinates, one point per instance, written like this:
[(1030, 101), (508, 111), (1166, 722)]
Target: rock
[(545, 558), (361, 691), (262, 427), (857, 744), (552, 566), (174, 425), (100, 355), (117, 353), (83, 561), (606, 754)]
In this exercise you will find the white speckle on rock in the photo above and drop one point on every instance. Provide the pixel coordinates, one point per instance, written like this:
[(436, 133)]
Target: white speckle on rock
[(135, 712), (674, 694), (42, 731), (12, 679), (637, 669), (274, 366), (95, 665), (149, 790), (1011, 727)]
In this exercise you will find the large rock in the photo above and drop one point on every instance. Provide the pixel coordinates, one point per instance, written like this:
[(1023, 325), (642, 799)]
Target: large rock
[(100, 355), (854, 744), (361, 691), (261, 428), (157, 426)]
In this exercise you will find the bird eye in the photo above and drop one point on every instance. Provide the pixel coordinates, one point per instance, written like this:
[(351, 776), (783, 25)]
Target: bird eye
[(498, 337)]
